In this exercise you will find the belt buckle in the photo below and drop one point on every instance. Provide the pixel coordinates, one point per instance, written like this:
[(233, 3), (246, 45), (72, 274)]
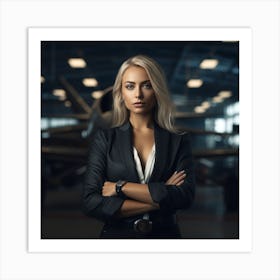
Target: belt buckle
[(143, 226)]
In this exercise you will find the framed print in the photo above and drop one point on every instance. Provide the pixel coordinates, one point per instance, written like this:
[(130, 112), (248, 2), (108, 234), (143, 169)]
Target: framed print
[(221, 63), (60, 163)]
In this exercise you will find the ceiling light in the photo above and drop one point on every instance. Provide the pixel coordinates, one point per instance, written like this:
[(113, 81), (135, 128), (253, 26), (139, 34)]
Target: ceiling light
[(62, 97), (194, 83), (67, 103), (77, 62), (90, 82), (225, 94), (218, 99), (205, 105), (208, 64), (97, 94), (199, 109), (59, 92)]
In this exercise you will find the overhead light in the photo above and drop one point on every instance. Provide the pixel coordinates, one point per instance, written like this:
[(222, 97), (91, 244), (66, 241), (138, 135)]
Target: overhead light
[(90, 82), (42, 79), (208, 64), (205, 105), (67, 103), (77, 62), (225, 94), (194, 83), (218, 99), (199, 109), (62, 97), (59, 92), (97, 94)]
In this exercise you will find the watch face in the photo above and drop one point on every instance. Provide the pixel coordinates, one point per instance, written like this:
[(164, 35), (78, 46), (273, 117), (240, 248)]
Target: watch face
[(120, 183), (119, 186)]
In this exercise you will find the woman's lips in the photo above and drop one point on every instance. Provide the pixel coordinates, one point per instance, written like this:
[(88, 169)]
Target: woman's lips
[(138, 104)]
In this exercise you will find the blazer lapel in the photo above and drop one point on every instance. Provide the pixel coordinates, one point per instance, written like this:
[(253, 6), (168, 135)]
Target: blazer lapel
[(162, 141), (126, 151), (165, 152)]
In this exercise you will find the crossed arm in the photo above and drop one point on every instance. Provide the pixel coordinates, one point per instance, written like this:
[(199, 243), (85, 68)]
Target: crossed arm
[(139, 198), (100, 200)]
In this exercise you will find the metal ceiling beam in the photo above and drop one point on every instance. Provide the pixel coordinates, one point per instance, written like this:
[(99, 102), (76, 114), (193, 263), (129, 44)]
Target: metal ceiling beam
[(78, 100)]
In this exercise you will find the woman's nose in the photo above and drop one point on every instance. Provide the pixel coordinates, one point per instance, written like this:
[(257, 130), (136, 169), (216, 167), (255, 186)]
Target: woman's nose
[(138, 93)]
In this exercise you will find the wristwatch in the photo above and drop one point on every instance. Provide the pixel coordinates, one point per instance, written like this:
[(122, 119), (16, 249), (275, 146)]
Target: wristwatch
[(119, 186)]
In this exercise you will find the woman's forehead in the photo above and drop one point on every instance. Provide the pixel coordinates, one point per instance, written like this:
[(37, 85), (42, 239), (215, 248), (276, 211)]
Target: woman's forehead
[(135, 73)]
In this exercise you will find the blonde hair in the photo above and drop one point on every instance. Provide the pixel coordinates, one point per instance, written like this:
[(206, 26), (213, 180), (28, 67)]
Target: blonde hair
[(164, 109)]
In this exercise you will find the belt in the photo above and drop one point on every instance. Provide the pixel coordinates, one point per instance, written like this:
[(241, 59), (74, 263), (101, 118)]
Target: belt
[(143, 224)]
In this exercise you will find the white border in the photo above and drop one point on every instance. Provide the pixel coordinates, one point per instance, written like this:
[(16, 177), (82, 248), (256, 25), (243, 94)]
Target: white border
[(36, 35)]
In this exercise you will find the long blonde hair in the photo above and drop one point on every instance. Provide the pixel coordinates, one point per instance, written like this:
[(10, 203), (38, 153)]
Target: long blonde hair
[(164, 109)]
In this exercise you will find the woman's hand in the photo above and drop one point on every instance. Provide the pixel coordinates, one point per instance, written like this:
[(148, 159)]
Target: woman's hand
[(177, 178), (109, 189)]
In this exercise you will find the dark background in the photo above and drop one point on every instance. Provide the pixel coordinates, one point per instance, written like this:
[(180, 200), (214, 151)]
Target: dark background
[(68, 123)]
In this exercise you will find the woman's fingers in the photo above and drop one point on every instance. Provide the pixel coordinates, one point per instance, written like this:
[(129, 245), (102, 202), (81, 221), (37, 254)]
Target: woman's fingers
[(170, 180), (180, 183), (177, 178)]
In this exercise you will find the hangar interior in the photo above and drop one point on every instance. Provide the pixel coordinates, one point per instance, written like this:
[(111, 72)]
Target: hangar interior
[(76, 88)]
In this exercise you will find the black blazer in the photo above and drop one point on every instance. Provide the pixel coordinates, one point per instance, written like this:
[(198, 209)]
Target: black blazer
[(111, 159)]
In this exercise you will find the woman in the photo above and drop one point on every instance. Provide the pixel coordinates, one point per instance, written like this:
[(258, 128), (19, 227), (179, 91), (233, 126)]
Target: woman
[(140, 171)]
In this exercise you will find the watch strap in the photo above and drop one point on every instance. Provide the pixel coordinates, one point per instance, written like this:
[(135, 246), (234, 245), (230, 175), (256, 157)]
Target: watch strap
[(119, 186)]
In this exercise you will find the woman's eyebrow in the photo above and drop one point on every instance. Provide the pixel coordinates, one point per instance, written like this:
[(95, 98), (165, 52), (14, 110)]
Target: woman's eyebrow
[(147, 81)]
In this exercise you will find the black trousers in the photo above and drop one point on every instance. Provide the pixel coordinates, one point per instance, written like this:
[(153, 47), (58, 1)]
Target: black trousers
[(126, 231)]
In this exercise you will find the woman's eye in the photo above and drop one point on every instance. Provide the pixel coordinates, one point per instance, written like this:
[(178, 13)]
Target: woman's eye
[(147, 86), (129, 86)]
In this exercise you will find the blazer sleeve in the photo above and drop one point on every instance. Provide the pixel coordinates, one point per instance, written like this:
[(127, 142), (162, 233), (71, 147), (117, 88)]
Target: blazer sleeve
[(94, 204), (172, 197)]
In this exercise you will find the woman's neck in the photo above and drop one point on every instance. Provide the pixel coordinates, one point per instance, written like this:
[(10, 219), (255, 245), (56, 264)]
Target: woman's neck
[(141, 121)]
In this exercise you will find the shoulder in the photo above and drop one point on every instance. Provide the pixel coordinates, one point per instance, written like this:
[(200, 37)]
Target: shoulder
[(101, 134), (108, 130), (181, 139), (108, 133), (178, 134)]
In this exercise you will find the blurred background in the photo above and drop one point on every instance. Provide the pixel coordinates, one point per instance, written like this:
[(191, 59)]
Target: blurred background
[(76, 99)]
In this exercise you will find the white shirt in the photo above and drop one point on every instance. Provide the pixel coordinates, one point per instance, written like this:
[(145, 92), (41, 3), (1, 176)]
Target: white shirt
[(144, 177)]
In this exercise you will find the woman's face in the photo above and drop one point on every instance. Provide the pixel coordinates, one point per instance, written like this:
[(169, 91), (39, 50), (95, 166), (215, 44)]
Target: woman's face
[(137, 92)]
